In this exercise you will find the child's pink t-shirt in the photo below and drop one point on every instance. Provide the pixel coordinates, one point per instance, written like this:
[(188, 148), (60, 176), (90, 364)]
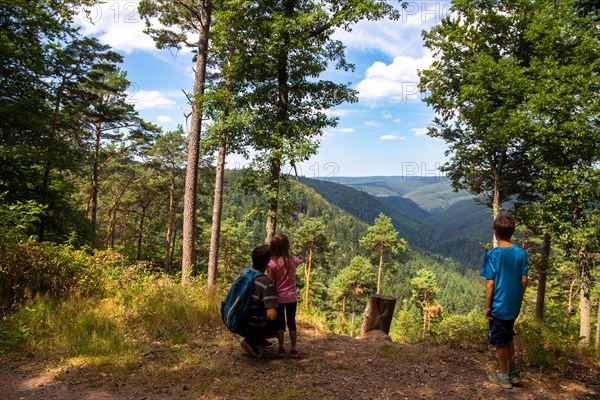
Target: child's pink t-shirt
[(284, 283)]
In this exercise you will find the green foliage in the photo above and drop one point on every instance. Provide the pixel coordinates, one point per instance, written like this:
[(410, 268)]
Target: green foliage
[(29, 269), (424, 287), (353, 285), (546, 348), (465, 328), (17, 220), (407, 326)]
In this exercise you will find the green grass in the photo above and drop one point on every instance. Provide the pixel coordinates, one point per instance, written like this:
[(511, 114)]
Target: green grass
[(112, 328)]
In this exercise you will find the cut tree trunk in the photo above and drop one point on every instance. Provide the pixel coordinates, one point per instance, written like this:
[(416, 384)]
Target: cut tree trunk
[(378, 314)]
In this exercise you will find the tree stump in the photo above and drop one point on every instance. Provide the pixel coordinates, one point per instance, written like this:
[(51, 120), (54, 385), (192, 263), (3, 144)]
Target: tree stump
[(378, 314)]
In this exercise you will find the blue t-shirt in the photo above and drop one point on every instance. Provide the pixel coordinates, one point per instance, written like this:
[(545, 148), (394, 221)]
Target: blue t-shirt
[(506, 266)]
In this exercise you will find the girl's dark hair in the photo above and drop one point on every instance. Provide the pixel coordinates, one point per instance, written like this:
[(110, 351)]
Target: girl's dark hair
[(504, 226), (280, 248)]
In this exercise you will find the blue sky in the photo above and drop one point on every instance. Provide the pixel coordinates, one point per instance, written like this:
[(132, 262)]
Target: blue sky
[(382, 134)]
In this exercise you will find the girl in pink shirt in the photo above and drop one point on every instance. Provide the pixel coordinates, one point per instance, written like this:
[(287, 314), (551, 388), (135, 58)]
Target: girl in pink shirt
[(282, 270)]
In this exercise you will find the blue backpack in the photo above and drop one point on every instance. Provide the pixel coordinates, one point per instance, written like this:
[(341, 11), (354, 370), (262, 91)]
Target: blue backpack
[(235, 307)]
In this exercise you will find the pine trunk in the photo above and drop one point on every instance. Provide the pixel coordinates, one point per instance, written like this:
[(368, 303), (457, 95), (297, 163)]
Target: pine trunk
[(141, 234), (213, 254), (188, 258), (542, 278), (49, 166), (584, 296), (496, 204), (95, 179), (171, 222), (283, 91)]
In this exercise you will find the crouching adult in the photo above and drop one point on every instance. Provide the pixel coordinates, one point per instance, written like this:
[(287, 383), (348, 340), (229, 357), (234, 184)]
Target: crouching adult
[(260, 324)]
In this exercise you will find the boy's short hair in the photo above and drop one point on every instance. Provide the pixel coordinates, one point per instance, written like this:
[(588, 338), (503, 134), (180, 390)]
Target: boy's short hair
[(261, 257), (504, 226)]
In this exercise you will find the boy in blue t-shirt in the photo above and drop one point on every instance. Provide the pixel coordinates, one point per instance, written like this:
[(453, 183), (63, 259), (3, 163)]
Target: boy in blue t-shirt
[(505, 270)]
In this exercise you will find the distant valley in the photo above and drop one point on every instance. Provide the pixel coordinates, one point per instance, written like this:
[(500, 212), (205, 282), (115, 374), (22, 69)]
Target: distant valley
[(425, 211)]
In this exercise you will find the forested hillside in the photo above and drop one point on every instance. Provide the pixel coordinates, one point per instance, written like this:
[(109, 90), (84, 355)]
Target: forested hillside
[(431, 193), (459, 230)]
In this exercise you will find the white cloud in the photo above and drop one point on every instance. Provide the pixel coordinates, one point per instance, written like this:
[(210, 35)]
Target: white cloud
[(147, 99), (338, 112), (397, 81), (345, 130), (164, 119), (116, 23), (397, 120), (387, 116), (394, 38), (419, 131), (391, 137), (372, 123)]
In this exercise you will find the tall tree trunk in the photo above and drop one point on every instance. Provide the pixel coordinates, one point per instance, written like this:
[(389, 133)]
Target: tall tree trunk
[(188, 258), (584, 295), (112, 221), (307, 274), (381, 251), (497, 166), (283, 91), (95, 179), (273, 199), (171, 222), (570, 311), (49, 154), (215, 232), (112, 213), (496, 204), (141, 234), (542, 277), (173, 243)]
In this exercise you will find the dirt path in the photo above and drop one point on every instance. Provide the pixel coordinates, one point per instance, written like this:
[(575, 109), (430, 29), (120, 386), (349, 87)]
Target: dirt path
[(330, 367)]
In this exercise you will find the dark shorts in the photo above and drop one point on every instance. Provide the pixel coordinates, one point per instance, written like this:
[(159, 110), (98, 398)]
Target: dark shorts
[(500, 332), (255, 336), (286, 312)]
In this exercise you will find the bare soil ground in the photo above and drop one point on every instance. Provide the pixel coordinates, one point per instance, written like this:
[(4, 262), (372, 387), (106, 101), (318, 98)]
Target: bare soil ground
[(330, 367)]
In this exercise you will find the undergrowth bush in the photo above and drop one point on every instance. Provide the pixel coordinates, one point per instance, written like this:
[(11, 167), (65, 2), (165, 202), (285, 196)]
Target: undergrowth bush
[(153, 308), (168, 311), (29, 269), (470, 328), (545, 347)]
